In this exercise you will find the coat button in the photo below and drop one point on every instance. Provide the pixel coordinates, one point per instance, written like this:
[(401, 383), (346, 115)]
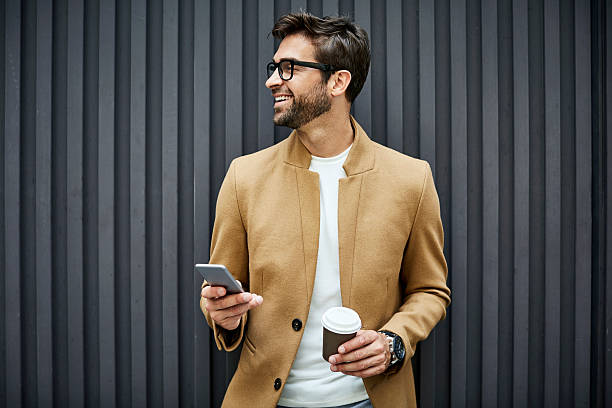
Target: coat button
[(277, 384), (296, 324)]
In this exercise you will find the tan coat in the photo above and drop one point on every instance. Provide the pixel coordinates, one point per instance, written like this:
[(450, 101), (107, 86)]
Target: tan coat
[(392, 268)]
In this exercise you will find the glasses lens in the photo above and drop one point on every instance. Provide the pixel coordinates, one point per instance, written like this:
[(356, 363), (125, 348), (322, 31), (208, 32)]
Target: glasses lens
[(285, 69), (271, 67)]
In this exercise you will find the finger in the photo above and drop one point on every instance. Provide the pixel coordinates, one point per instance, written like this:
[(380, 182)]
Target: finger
[(234, 312), (369, 372), (256, 300), (360, 365), (211, 292), (230, 324), (362, 338), (228, 301), (368, 350)]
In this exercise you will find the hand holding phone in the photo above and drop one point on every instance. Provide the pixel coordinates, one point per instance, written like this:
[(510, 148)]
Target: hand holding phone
[(224, 298)]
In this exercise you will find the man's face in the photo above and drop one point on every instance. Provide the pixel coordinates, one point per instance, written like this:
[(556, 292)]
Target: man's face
[(304, 97)]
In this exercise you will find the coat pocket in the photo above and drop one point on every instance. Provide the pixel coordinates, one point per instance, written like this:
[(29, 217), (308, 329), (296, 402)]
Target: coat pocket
[(249, 345)]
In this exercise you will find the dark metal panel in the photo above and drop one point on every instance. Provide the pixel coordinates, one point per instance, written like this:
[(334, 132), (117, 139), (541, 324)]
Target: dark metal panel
[(363, 103), (90, 203), (122, 206), (490, 175), (187, 380), (154, 205), (427, 83), (59, 198), (253, 78), (607, 170), (74, 203), (410, 71), (552, 296), (169, 198), (330, 8), (265, 126), (3, 305), (234, 81), (11, 161), (582, 348), (537, 209), (106, 203), (394, 75), (521, 202), (298, 5), (506, 205), (474, 203), (459, 194), (203, 393), (44, 349), (137, 222)]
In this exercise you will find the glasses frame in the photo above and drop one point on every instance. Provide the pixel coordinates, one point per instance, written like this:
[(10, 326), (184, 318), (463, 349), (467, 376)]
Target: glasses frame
[(315, 65)]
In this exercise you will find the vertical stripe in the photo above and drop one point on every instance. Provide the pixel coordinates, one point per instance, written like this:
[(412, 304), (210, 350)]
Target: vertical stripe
[(12, 203), (265, 126), (201, 126), (90, 204), (608, 211), (363, 103), (169, 202), (234, 68), (330, 7), (427, 83), (506, 205), (298, 6), (44, 350), (583, 204), (410, 73), (188, 289), (552, 296), (394, 76), (106, 202), (74, 184), (521, 201), (121, 217), (459, 193), (490, 177), (138, 142)]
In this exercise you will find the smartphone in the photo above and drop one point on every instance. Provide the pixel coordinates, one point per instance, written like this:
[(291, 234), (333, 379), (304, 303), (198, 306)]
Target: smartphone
[(218, 275)]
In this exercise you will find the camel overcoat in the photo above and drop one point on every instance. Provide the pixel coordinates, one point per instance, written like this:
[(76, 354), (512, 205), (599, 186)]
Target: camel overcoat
[(392, 266)]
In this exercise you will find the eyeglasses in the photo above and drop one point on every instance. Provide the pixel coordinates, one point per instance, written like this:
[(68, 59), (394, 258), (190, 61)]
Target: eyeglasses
[(285, 67)]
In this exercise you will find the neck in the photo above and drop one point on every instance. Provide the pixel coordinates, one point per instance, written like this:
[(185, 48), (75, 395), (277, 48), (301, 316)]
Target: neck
[(327, 136)]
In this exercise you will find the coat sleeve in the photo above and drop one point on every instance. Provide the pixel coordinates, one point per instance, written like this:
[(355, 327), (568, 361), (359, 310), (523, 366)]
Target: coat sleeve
[(229, 247), (423, 274)]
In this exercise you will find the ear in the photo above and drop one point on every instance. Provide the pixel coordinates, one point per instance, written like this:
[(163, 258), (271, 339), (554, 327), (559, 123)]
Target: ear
[(339, 82)]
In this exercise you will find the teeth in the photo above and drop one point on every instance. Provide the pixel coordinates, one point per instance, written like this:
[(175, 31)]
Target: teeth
[(281, 98)]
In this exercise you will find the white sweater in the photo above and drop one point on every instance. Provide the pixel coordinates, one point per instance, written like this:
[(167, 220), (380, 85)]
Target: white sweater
[(311, 383)]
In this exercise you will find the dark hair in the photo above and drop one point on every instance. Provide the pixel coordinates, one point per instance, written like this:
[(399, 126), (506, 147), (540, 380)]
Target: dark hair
[(337, 41)]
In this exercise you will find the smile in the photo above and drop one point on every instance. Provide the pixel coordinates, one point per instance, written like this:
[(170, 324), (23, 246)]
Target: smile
[(281, 98)]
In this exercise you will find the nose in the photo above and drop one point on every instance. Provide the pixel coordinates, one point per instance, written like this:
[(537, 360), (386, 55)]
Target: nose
[(274, 80)]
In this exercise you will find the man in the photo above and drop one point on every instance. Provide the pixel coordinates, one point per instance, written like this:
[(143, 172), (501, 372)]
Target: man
[(325, 218)]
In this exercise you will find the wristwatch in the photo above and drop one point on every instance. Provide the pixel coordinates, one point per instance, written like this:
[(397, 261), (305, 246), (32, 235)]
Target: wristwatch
[(396, 347)]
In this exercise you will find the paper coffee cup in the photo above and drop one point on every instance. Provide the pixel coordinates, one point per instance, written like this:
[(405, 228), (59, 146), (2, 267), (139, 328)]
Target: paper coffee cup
[(340, 324)]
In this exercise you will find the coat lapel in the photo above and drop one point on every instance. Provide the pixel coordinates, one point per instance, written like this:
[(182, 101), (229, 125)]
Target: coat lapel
[(359, 161), (308, 190)]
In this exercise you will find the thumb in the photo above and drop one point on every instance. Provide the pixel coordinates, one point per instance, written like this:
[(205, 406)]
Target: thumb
[(256, 300)]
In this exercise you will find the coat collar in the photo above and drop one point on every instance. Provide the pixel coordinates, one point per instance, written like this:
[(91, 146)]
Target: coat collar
[(359, 160)]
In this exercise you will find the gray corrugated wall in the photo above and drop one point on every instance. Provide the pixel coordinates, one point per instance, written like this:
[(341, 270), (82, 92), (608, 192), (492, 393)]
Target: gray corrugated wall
[(119, 119)]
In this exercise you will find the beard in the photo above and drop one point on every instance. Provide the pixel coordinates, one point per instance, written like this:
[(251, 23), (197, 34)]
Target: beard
[(305, 108)]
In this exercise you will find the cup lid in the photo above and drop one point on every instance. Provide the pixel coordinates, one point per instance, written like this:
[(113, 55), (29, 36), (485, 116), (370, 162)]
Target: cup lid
[(341, 320)]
